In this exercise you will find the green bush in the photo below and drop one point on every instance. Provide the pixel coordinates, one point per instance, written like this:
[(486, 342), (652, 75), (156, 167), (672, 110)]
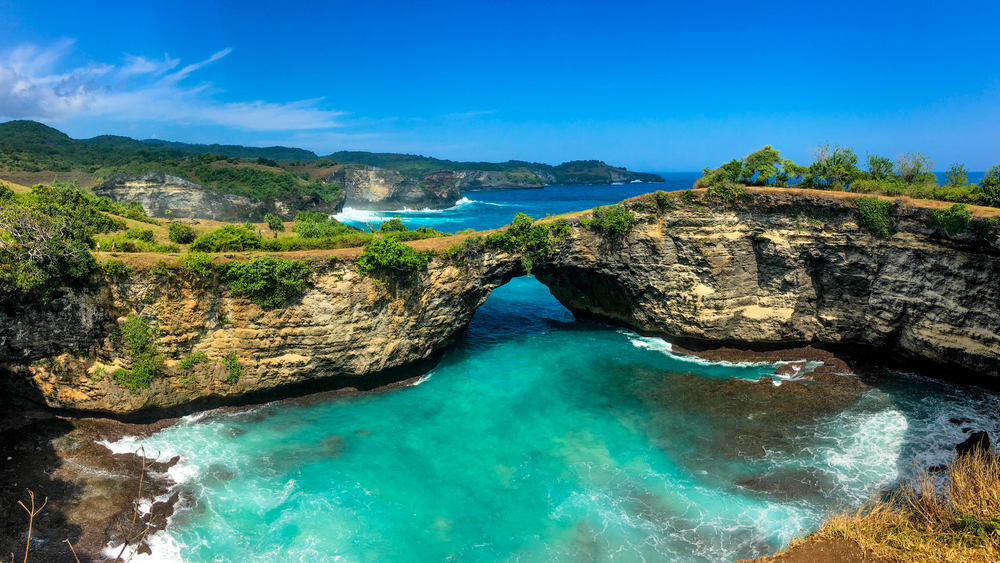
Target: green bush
[(984, 229), (266, 281), (613, 220), (233, 365), (726, 193), (181, 234), (40, 251), (523, 235), (875, 216), (228, 238), (392, 225), (953, 220), (199, 263), (390, 256), (989, 187), (116, 269), (663, 200), (688, 197), (193, 359), (139, 234), (321, 227), (146, 360), (350, 240)]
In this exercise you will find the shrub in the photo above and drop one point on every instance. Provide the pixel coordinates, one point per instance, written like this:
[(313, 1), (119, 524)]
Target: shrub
[(146, 358), (266, 281), (726, 193), (984, 229), (193, 359), (116, 268), (392, 225), (612, 220), (232, 363), (274, 223), (228, 238), (311, 216), (663, 200), (199, 263), (523, 235), (350, 240), (887, 187), (139, 234), (875, 216), (989, 187), (688, 197), (181, 234), (953, 220), (319, 227), (390, 256), (39, 251)]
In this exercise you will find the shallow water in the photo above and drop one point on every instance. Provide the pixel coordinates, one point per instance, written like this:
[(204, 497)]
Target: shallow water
[(542, 438)]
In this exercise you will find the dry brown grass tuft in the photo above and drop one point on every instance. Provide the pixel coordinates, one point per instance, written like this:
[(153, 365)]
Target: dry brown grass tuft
[(953, 516)]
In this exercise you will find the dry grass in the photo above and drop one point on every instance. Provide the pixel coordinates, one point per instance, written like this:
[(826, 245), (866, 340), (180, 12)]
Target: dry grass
[(952, 516)]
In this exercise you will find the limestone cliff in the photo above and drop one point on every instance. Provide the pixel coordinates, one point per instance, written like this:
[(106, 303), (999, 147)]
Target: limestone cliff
[(778, 268), (368, 187), (158, 192)]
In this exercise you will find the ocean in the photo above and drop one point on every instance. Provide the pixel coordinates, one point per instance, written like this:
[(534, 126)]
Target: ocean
[(543, 438)]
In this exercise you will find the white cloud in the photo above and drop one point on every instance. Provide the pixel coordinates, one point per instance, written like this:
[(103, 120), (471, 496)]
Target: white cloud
[(139, 89)]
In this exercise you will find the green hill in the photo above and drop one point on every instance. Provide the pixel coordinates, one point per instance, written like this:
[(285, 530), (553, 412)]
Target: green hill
[(573, 172), (29, 146)]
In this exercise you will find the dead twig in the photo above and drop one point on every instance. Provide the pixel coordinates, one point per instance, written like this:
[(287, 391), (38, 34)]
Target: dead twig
[(31, 521)]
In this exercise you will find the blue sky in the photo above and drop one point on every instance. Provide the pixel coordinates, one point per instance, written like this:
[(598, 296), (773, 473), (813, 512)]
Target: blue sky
[(662, 86)]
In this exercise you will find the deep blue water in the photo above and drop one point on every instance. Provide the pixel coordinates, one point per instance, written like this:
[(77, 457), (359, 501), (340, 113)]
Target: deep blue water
[(489, 209), (543, 438)]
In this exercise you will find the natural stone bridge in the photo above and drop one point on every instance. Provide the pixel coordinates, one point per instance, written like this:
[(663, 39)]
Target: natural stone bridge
[(784, 267)]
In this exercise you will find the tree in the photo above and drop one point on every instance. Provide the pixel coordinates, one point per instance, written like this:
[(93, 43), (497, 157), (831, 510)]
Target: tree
[(274, 223), (913, 167), (989, 187), (834, 168), (38, 251), (957, 176), (761, 166), (167, 213), (879, 167)]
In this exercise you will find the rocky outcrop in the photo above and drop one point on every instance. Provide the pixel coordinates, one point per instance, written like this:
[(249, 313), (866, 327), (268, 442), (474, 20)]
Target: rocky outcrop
[(158, 192), (367, 187), (472, 180), (778, 269)]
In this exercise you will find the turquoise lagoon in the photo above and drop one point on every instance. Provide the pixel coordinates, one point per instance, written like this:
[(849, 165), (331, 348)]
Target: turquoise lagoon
[(540, 437)]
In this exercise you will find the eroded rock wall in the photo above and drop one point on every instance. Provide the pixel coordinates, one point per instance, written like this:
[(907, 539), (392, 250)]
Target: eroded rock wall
[(367, 187), (786, 268), (778, 269), (158, 192)]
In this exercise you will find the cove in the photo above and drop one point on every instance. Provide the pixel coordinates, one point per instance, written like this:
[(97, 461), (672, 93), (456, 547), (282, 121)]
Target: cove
[(544, 438)]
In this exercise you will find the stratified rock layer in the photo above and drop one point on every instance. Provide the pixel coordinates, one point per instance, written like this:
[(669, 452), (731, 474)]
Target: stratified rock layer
[(158, 192), (367, 187), (779, 269)]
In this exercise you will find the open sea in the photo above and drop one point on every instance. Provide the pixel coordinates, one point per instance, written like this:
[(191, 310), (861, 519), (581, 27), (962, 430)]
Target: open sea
[(540, 437)]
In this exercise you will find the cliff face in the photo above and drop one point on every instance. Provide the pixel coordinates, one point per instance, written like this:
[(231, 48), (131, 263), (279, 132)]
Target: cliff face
[(471, 180), (785, 268), (778, 269), (158, 192), (386, 190)]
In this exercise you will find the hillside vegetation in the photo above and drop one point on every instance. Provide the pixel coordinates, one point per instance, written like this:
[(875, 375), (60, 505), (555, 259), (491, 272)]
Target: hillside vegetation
[(837, 168), (574, 172)]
